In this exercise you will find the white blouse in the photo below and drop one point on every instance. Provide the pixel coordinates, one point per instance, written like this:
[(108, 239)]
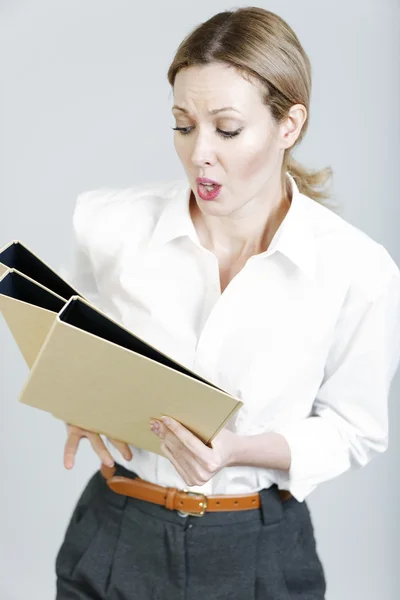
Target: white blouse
[(307, 334)]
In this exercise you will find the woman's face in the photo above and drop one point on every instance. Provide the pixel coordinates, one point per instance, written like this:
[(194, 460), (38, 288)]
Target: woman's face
[(248, 165)]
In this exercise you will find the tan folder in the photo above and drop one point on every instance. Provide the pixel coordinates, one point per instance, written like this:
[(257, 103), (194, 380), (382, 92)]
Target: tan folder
[(17, 255), (29, 310), (31, 294), (93, 373)]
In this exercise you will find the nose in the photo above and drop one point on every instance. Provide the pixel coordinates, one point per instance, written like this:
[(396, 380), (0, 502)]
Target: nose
[(203, 150)]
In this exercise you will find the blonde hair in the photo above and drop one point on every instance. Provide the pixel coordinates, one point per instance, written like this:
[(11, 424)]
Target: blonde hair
[(260, 44)]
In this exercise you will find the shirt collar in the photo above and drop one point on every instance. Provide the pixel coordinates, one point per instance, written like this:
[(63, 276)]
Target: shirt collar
[(294, 237), (175, 220)]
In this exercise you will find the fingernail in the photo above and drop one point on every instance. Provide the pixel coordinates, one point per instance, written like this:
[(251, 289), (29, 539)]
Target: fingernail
[(166, 420), (155, 425)]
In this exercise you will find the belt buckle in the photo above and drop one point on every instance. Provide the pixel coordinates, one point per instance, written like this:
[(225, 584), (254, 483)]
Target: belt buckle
[(203, 505)]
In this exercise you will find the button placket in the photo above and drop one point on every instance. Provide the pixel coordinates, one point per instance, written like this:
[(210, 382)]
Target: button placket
[(209, 344), (212, 301)]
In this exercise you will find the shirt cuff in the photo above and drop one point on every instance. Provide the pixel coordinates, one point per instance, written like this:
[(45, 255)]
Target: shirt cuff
[(318, 453)]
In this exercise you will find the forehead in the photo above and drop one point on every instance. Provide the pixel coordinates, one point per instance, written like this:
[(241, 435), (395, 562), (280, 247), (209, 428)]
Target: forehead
[(213, 86)]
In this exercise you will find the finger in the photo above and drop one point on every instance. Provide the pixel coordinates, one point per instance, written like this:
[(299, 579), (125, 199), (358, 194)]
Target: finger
[(181, 455), (100, 449), (180, 469), (180, 452), (123, 448), (71, 447), (187, 438)]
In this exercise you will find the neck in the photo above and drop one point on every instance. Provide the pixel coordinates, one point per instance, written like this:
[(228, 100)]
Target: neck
[(245, 232)]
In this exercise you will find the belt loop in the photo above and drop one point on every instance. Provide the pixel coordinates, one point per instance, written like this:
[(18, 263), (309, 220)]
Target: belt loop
[(170, 499), (271, 505)]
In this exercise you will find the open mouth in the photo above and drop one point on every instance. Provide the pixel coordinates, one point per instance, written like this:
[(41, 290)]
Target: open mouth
[(208, 191)]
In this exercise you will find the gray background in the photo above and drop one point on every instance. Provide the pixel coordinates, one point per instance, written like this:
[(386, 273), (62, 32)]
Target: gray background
[(85, 103)]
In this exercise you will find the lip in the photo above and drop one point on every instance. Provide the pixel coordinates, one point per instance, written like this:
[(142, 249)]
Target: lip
[(206, 195), (206, 180)]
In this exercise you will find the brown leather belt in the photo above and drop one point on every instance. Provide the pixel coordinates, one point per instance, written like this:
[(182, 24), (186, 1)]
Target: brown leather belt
[(191, 503)]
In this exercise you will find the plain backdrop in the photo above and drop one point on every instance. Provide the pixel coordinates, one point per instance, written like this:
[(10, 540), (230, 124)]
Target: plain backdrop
[(84, 102)]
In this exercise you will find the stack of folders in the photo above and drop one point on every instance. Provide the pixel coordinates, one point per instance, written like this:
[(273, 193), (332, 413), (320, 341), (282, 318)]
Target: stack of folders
[(89, 371)]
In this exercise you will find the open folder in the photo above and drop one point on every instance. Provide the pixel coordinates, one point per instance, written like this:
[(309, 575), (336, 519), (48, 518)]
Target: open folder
[(30, 298), (18, 256), (88, 370)]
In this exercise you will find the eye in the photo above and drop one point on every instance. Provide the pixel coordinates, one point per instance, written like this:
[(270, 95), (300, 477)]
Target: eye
[(224, 134)]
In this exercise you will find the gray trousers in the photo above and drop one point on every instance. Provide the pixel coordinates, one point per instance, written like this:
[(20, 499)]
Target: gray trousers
[(121, 548)]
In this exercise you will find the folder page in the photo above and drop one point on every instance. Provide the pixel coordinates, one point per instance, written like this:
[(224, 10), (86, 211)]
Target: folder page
[(29, 310), (93, 373), (17, 256)]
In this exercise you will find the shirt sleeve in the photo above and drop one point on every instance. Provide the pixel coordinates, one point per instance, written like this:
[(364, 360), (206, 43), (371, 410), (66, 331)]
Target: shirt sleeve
[(348, 424), (77, 270)]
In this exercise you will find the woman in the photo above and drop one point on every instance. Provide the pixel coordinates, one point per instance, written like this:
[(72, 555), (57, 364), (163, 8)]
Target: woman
[(253, 283)]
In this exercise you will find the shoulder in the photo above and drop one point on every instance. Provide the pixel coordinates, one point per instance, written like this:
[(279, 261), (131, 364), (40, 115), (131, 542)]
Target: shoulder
[(349, 253), (112, 213)]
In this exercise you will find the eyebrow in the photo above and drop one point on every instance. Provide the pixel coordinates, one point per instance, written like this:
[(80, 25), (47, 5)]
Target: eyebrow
[(210, 112)]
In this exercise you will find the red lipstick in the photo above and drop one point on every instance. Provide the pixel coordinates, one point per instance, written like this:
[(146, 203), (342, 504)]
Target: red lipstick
[(207, 189)]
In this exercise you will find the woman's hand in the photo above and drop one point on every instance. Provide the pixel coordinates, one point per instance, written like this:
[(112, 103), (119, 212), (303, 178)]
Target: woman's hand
[(195, 462), (74, 436)]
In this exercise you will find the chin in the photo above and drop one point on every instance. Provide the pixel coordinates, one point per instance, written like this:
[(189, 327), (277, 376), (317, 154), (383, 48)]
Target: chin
[(214, 208)]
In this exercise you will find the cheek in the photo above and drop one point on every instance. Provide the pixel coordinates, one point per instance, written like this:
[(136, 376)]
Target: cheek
[(253, 158), (181, 148)]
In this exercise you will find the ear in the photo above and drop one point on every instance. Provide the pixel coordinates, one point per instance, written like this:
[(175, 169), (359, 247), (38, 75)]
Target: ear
[(293, 124)]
